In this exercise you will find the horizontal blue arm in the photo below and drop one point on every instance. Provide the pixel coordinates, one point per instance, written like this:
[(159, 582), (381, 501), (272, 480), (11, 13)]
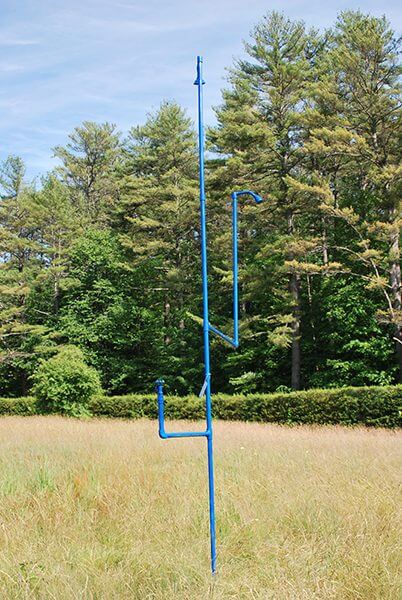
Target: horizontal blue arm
[(161, 418)]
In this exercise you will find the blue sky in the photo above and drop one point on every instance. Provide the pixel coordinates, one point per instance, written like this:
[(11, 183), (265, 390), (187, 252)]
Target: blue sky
[(62, 62)]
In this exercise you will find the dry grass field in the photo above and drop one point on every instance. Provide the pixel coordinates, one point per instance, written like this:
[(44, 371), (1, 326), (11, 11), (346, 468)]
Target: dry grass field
[(106, 510)]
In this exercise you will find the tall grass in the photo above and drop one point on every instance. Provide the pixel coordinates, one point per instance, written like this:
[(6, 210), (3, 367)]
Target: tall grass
[(106, 510)]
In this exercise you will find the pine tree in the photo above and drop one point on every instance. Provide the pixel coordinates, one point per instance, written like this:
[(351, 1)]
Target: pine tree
[(19, 267), (103, 252), (261, 129), (357, 154), (89, 162), (160, 220), (60, 223)]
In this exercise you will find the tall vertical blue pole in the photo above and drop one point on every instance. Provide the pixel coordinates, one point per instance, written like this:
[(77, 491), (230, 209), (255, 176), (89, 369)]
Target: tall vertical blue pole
[(207, 327), (205, 314)]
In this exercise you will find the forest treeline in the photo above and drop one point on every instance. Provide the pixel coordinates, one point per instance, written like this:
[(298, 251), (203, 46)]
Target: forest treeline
[(104, 253)]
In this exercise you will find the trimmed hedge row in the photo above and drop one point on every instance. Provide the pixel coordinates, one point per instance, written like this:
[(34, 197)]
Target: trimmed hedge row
[(18, 406), (371, 406)]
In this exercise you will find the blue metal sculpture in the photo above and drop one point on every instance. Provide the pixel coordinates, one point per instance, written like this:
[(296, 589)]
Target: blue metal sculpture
[(207, 327)]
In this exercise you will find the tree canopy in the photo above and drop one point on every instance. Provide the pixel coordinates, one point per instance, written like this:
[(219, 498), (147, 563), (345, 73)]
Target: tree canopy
[(104, 254)]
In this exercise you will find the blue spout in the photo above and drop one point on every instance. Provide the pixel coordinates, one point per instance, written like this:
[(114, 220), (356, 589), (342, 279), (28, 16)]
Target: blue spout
[(256, 197)]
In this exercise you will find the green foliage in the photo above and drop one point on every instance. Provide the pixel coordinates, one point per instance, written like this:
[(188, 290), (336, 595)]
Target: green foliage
[(89, 161), (371, 406), (20, 265), (65, 383), (343, 340), (18, 406), (245, 383), (104, 254), (159, 229), (102, 312)]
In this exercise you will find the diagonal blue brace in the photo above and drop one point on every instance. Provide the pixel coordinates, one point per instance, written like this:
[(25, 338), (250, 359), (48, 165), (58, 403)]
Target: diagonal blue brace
[(207, 327)]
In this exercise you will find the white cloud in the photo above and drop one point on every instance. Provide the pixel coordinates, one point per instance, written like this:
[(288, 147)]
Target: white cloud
[(12, 41), (63, 61)]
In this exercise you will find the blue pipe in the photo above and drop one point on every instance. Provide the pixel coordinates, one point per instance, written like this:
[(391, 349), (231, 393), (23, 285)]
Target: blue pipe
[(199, 82), (234, 341), (207, 327), (161, 418)]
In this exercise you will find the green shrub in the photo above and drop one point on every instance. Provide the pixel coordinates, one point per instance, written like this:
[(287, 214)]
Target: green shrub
[(18, 406), (65, 384), (371, 406)]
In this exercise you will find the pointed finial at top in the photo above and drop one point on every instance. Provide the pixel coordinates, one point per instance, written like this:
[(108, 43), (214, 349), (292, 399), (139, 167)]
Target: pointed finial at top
[(199, 78)]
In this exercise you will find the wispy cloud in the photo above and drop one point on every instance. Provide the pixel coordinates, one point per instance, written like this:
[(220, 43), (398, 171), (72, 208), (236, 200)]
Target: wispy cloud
[(65, 61), (12, 41)]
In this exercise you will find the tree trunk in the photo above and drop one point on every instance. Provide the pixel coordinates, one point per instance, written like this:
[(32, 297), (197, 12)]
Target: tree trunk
[(166, 321), (324, 242), (395, 281), (398, 348), (296, 350), (24, 384), (294, 288), (56, 296)]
